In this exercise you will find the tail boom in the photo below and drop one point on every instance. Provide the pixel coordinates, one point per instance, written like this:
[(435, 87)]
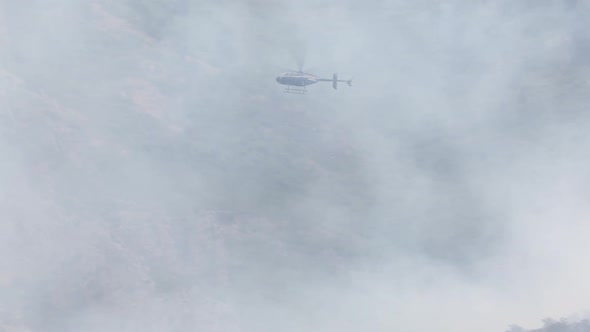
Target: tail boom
[(335, 81)]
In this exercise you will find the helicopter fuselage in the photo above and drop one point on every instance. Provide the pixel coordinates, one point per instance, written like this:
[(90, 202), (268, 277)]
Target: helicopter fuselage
[(297, 79)]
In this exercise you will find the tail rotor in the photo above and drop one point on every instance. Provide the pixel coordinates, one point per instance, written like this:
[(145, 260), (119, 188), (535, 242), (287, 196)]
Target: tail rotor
[(335, 81)]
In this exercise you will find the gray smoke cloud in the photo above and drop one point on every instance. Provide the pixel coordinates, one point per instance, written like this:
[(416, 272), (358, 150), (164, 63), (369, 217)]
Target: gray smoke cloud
[(154, 177)]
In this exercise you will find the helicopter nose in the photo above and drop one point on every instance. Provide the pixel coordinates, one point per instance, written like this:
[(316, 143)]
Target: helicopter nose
[(278, 79)]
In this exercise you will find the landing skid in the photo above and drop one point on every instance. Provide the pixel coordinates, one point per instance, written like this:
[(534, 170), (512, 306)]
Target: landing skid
[(295, 89)]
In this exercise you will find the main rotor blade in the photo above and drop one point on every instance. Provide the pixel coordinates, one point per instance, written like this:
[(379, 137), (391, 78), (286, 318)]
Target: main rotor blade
[(300, 63), (285, 69), (298, 50)]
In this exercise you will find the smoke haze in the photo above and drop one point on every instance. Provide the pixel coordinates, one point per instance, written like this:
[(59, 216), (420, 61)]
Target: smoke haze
[(155, 177)]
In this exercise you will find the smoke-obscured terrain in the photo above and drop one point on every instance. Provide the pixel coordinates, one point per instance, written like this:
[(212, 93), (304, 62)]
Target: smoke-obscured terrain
[(155, 177), (564, 325)]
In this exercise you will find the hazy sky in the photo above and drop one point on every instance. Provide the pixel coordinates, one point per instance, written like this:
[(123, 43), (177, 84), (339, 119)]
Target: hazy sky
[(155, 177)]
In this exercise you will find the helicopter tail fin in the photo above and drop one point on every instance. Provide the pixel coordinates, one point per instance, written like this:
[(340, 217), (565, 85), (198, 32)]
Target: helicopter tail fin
[(349, 82), (335, 81)]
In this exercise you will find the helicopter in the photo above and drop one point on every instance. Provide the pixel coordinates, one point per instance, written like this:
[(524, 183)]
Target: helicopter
[(296, 81)]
